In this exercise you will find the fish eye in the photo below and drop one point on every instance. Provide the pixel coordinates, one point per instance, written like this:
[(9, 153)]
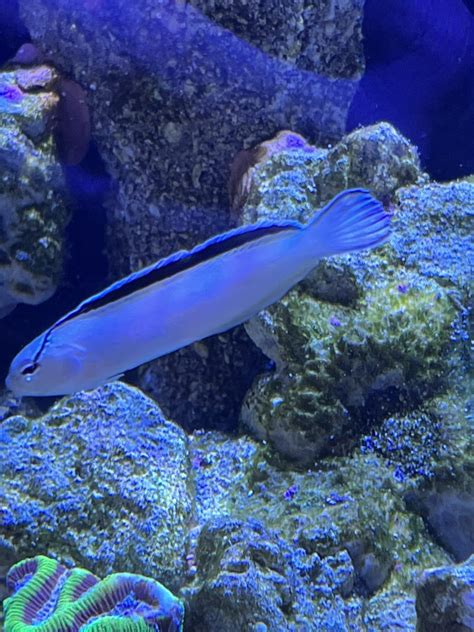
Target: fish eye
[(29, 369)]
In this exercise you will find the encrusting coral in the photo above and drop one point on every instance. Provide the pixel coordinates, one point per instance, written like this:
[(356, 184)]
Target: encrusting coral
[(48, 597)]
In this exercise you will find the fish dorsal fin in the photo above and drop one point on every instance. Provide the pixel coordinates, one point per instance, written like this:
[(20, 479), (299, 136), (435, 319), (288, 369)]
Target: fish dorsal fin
[(174, 263), (182, 260)]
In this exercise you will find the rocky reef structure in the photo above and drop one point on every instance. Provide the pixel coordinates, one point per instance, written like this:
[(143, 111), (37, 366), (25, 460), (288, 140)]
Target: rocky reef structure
[(433, 450), (242, 167), (361, 350), (438, 241), (48, 597), (72, 126), (364, 335), (33, 209), (329, 548), (100, 481), (176, 89), (446, 503), (221, 520), (335, 363), (241, 558), (11, 405), (445, 598)]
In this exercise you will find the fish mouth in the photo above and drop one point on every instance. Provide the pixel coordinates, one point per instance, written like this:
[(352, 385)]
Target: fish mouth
[(8, 383), (12, 386)]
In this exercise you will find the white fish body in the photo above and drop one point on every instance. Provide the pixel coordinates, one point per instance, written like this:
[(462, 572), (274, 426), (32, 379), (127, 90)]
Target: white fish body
[(189, 296)]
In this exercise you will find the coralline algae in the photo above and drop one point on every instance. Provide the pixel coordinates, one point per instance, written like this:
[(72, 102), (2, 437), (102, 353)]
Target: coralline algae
[(101, 480)]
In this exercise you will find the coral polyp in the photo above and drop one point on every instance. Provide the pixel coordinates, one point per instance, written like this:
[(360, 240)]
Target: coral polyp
[(48, 597)]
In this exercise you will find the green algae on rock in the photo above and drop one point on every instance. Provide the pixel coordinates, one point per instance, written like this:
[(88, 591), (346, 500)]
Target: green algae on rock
[(48, 597), (332, 360), (33, 213), (101, 480), (377, 157)]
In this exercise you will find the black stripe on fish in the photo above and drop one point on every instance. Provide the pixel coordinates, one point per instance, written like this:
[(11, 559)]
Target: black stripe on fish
[(169, 266)]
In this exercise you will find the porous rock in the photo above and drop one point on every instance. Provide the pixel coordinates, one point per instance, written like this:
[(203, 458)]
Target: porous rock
[(335, 363), (447, 506), (297, 180), (33, 212), (445, 599), (245, 578), (12, 405), (101, 481), (249, 578), (341, 536), (390, 610), (435, 231)]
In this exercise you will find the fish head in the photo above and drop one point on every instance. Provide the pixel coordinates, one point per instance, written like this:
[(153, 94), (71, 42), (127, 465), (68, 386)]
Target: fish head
[(43, 368)]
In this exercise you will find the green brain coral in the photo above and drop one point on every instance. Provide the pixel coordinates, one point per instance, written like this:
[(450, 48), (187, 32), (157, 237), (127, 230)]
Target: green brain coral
[(47, 597)]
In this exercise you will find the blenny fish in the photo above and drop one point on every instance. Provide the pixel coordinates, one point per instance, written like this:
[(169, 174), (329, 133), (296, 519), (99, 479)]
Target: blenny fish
[(191, 295)]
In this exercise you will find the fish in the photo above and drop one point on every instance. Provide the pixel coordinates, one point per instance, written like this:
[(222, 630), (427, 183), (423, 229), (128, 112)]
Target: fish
[(191, 295)]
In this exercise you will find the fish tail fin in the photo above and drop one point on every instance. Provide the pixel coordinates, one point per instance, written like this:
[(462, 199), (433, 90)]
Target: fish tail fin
[(353, 220)]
